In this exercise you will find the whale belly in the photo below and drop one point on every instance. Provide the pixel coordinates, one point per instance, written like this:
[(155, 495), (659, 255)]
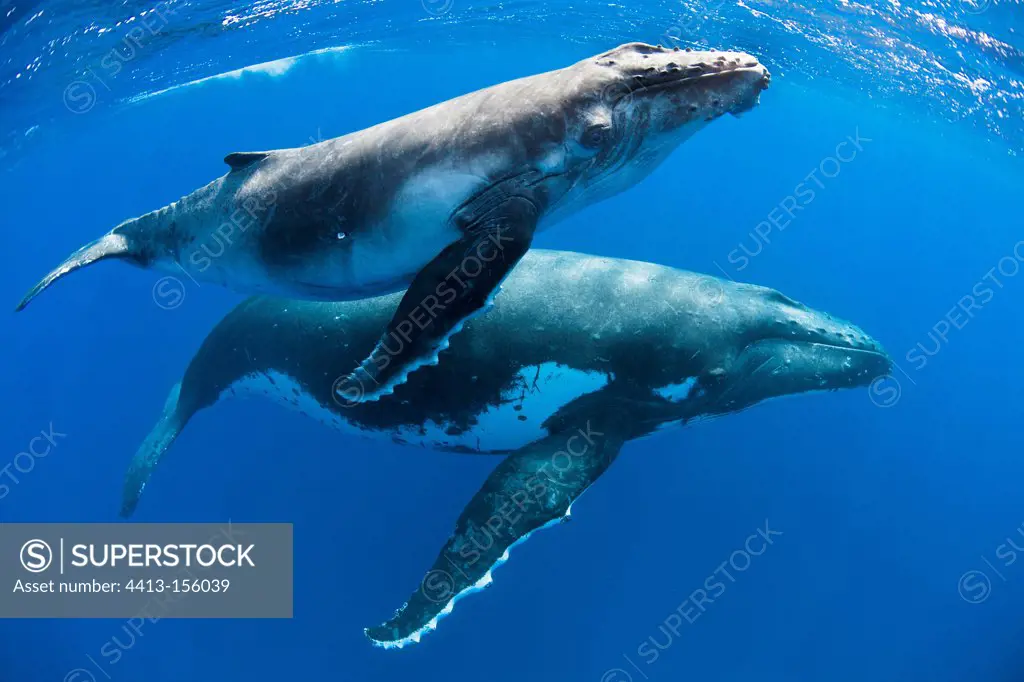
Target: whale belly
[(514, 419)]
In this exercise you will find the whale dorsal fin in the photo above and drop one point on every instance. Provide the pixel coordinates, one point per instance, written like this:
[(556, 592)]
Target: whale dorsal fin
[(239, 160)]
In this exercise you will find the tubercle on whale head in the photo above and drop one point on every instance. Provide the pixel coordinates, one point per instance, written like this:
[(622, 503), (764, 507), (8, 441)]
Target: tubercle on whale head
[(631, 106), (790, 349), (663, 89)]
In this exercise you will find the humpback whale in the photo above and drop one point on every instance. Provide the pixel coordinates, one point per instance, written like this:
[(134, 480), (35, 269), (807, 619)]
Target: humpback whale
[(579, 355), (442, 202)]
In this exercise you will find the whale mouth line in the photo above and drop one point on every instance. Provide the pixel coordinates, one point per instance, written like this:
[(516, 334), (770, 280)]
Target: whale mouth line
[(807, 344), (845, 349)]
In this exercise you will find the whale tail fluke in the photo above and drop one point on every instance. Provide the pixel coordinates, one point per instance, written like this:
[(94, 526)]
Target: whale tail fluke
[(172, 421), (111, 245)]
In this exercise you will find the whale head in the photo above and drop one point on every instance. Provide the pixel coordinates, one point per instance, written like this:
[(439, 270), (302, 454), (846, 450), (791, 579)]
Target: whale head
[(627, 109), (658, 90), (785, 348)]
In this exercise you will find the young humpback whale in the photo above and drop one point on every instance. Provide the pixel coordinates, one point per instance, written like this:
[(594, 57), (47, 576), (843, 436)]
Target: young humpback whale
[(579, 355), (443, 201)]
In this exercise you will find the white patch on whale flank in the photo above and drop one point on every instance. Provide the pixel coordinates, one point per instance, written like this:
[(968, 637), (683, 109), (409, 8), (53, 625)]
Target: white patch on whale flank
[(677, 392), (285, 390), (416, 229), (538, 392)]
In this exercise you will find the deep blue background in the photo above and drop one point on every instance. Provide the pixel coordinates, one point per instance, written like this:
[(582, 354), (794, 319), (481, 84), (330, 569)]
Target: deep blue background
[(882, 510)]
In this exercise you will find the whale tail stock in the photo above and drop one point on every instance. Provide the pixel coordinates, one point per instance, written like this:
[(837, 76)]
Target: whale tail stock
[(111, 245), (172, 421)]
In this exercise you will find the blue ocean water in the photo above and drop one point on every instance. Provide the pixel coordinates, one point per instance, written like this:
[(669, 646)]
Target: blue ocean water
[(894, 505)]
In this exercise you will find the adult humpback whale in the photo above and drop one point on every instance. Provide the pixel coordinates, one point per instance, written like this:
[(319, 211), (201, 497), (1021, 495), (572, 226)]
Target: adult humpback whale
[(579, 355), (443, 201)]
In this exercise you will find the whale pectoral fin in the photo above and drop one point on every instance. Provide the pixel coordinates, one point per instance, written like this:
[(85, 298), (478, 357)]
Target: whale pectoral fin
[(239, 160), (530, 489), (455, 286)]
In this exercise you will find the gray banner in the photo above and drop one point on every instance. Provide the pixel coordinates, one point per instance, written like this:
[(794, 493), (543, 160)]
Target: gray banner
[(146, 570)]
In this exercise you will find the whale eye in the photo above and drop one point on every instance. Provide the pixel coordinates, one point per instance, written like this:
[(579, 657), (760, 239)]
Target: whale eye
[(596, 135)]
